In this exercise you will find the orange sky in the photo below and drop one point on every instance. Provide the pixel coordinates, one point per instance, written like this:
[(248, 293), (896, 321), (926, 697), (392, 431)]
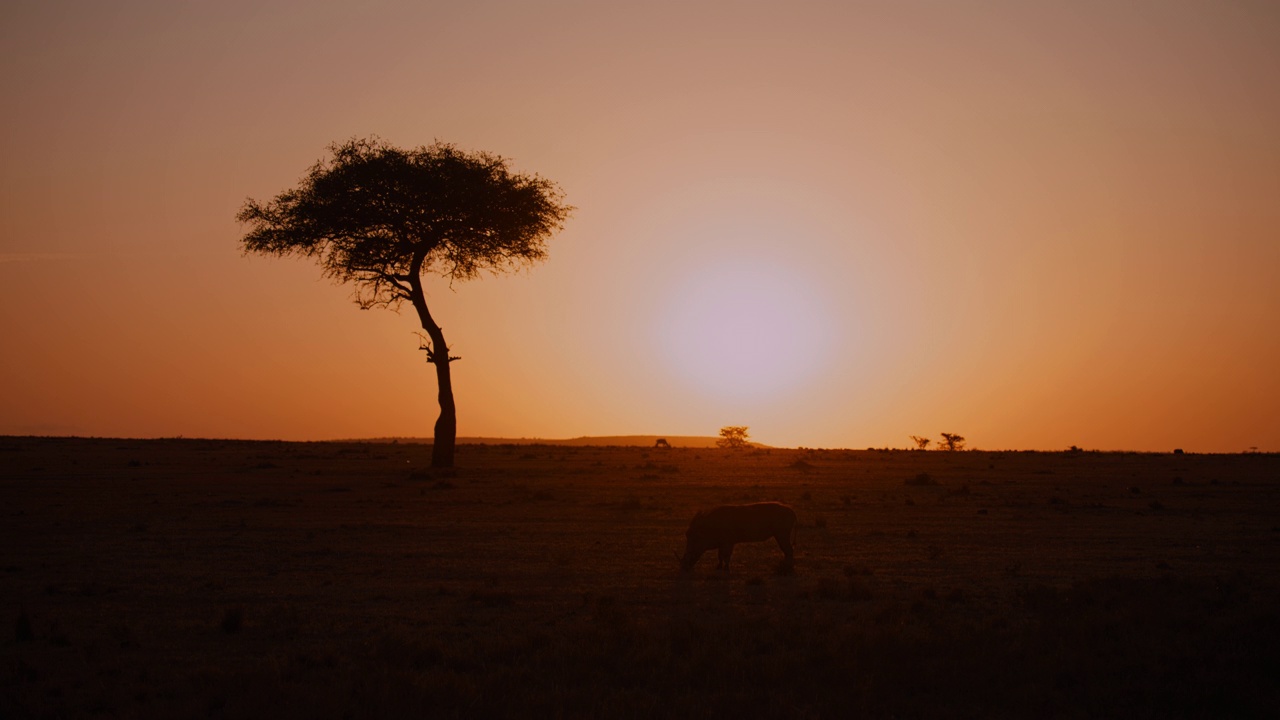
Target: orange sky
[(1036, 224)]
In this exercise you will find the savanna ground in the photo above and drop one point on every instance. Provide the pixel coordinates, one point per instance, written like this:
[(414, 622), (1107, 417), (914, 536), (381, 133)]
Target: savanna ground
[(189, 578)]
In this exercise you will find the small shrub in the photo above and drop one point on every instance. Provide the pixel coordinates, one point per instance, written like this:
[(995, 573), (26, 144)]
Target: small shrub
[(921, 480), (733, 437)]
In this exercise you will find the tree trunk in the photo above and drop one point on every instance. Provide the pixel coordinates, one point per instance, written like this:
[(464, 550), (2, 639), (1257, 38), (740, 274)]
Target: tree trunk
[(447, 424), (446, 430)]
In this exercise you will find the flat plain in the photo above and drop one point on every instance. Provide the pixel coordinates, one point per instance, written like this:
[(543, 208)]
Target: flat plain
[(206, 578)]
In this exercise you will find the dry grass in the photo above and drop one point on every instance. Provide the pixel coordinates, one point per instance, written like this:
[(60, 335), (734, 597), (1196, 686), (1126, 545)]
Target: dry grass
[(235, 579)]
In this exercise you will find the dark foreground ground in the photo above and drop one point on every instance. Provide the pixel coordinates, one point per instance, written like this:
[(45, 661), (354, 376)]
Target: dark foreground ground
[(187, 578)]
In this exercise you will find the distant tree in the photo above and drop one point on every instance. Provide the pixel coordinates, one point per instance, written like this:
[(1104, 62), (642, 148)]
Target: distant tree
[(922, 443), (381, 218), (951, 441), (733, 436)]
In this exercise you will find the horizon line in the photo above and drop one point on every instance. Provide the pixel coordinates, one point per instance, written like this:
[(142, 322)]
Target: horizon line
[(585, 441)]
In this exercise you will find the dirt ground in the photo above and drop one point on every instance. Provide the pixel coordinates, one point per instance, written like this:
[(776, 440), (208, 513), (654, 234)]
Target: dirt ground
[(201, 578)]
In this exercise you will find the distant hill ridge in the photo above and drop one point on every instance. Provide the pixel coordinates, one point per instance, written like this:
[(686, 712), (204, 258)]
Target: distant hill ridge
[(690, 441)]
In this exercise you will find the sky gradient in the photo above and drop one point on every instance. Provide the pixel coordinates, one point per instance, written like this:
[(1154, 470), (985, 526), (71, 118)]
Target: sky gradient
[(1036, 224)]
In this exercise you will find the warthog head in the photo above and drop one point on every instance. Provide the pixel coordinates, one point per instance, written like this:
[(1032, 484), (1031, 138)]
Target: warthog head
[(696, 542), (694, 548)]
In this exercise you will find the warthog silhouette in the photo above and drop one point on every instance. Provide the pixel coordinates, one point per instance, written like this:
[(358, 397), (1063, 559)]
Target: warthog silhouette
[(727, 525)]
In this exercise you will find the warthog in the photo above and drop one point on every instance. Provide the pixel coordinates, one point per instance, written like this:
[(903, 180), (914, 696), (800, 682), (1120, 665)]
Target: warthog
[(723, 527)]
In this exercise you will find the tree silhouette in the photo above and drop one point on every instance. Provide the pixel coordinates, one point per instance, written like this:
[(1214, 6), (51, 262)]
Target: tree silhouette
[(733, 436), (381, 218), (951, 441), (922, 443)]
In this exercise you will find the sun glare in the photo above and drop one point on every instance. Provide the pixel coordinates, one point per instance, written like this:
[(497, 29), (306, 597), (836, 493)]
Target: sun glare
[(745, 331)]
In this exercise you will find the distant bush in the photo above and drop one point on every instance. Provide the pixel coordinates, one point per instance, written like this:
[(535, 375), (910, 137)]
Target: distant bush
[(733, 437)]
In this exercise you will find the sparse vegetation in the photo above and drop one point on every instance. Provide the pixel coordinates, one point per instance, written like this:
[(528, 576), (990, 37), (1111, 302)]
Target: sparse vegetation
[(952, 442), (922, 443), (263, 593)]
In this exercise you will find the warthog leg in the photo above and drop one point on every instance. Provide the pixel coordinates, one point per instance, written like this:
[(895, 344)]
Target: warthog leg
[(784, 542), (725, 552)]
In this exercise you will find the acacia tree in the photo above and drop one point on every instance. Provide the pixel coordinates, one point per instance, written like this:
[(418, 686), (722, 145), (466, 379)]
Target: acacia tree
[(951, 441), (382, 218), (733, 437)]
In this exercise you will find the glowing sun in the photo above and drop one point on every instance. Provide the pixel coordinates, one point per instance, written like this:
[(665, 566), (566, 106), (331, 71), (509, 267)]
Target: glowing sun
[(745, 330)]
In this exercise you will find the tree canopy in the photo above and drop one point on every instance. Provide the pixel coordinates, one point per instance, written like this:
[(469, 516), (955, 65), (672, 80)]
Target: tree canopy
[(733, 437), (379, 216)]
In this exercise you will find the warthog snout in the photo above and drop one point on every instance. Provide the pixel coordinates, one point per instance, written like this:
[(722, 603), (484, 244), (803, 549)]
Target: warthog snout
[(685, 563)]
